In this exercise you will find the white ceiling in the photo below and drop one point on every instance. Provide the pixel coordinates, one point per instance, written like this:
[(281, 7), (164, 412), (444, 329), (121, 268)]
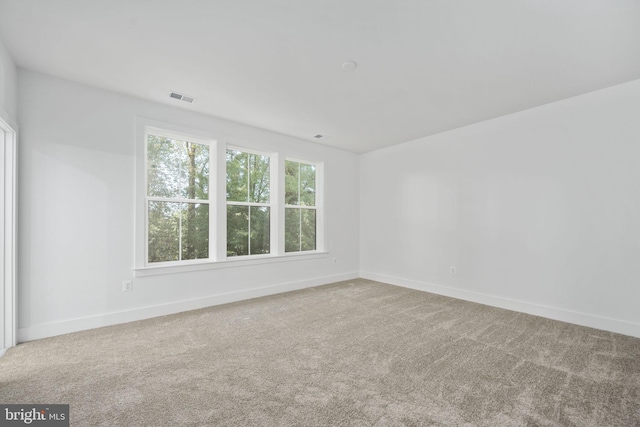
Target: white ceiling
[(424, 66)]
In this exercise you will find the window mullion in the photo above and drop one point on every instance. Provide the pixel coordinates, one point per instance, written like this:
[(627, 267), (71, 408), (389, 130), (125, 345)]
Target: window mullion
[(234, 203), (299, 211), (177, 200), (300, 229), (221, 206), (295, 206), (248, 207), (277, 201), (180, 236), (212, 194)]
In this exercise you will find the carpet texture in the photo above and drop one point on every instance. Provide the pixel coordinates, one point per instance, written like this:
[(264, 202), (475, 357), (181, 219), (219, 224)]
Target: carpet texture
[(356, 353)]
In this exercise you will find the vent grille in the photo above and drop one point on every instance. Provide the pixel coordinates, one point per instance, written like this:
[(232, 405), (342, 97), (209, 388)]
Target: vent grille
[(185, 98)]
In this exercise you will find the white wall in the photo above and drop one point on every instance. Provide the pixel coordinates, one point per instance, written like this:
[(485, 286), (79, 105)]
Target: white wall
[(8, 87), (539, 211), (76, 188)]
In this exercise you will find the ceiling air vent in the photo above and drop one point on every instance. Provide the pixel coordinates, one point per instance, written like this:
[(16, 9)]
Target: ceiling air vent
[(182, 97)]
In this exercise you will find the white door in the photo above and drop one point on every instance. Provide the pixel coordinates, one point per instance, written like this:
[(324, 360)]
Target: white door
[(7, 236), (3, 303)]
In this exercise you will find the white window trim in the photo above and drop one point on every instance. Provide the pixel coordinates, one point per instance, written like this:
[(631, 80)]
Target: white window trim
[(232, 262), (152, 130), (319, 206), (218, 205), (272, 205), (145, 127)]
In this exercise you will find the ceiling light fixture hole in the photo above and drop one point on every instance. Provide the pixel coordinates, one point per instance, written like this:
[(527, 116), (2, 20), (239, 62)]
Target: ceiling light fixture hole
[(349, 65)]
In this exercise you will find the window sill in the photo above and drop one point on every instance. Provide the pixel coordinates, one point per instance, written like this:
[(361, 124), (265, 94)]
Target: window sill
[(156, 270)]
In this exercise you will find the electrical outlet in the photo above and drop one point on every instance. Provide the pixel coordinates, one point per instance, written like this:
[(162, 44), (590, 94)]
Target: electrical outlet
[(453, 270), (127, 286)]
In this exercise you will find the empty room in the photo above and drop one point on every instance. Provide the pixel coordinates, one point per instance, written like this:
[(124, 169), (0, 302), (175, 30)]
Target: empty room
[(320, 213)]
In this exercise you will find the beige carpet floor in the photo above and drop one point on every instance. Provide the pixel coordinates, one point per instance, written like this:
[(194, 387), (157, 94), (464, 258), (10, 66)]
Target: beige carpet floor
[(357, 353)]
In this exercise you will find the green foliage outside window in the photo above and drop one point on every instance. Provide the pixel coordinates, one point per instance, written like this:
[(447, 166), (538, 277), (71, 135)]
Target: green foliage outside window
[(248, 188), (178, 229), (178, 205), (300, 213)]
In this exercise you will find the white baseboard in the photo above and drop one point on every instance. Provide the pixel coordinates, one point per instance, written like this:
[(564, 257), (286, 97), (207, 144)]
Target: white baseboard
[(3, 351), (583, 319), (107, 319), (74, 325)]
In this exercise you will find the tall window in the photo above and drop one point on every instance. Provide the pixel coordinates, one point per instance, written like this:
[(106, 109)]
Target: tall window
[(300, 206), (177, 199), (248, 203)]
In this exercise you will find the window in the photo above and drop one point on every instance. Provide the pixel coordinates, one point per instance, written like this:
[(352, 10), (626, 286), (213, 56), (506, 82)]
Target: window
[(201, 202), (177, 199), (248, 206), (300, 206)]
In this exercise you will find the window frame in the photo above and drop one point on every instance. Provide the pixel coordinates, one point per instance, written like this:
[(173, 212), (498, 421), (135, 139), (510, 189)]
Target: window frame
[(318, 196), (212, 144), (273, 206), (218, 146)]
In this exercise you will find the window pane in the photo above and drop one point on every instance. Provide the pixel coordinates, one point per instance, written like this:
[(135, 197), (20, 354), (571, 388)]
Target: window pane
[(164, 231), (308, 229), (307, 185), (237, 164), (237, 230), (198, 156), (291, 182), (260, 230), (259, 178), (292, 230), (248, 177), (177, 168), (195, 231)]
